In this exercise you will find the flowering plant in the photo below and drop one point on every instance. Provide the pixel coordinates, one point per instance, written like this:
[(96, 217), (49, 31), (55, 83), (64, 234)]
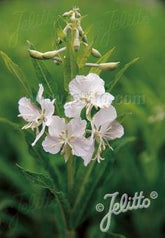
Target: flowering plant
[(82, 123)]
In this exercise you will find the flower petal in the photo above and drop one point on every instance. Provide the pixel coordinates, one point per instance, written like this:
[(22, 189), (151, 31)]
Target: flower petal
[(80, 146), (39, 135), (76, 127), (116, 131), (73, 109), (88, 157), (86, 85), (57, 126), (103, 101), (104, 116), (48, 109), (51, 145), (40, 92), (28, 111)]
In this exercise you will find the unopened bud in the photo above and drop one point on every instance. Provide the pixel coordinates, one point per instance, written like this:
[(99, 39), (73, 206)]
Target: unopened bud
[(76, 43), (57, 60), (52, 54), (36, 54), (108, 66), (85, 39), (73, 17), (96, 53), (66, 14)]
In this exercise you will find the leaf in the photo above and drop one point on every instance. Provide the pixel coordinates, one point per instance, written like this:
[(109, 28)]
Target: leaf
[(115, 235), (84, 55), (10, 123), (103, 59), (117, 145), (86, 191), (121, 72), (70, 64), (38, 179), (44, 76), (16, 70), (47, 182)]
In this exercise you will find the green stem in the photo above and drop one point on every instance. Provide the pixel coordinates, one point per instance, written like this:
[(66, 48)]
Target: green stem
[(70, 171), (70, 233)]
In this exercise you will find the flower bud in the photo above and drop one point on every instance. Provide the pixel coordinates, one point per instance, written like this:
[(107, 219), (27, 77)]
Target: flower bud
[(108, 66), (66, 14), (73, 17), (76, 43), (52, 54), (36, 54), (96, 53), (57, 60)]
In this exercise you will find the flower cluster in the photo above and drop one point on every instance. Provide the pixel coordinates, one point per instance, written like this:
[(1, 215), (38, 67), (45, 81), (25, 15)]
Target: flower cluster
[(86, 138)]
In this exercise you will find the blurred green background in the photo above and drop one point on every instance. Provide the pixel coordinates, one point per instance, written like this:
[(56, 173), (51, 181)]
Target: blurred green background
[(136, 29)]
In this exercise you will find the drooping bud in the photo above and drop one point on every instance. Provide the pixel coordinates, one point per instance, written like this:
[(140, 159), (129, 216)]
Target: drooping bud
[(76, 43), (96, 53), (57, 60), (108, 66), (73, 17), (35, 54), (52, 54), (66, 14)]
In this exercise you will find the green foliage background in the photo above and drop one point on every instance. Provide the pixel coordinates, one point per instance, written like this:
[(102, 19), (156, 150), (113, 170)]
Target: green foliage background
[(136, 30)]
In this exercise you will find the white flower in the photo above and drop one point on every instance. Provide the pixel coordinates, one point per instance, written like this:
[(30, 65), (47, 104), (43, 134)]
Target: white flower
[(71, 134), (106, 128), (87, 91), (34, 115)]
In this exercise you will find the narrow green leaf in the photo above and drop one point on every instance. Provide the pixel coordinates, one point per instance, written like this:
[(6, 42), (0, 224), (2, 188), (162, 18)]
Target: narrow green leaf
[(121, 72), (44, 76), (38, 179), (117, 145), (10, 123), (84, 55), (115, 235), (103, 59), (16, 70), (86, 190), (70, 64), (47, 182)]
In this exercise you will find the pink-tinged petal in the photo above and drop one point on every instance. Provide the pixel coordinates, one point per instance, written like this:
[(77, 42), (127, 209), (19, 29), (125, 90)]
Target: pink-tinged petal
[(103, 101), (73, 109), (104, 116), (57, 126), (51, 145), (88, 157), (114, 131), (28, 111), (76, 127), (86, 85), (80, 146), (39, 135), (48, 109), (96, 84), (40, 93)]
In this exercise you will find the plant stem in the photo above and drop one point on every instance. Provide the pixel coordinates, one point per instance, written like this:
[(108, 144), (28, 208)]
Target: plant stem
[(70, 170), (70, 233)]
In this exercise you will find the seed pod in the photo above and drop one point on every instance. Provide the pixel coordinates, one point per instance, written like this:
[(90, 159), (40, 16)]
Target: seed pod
[(96, 53), (36, 54), (108, 66)]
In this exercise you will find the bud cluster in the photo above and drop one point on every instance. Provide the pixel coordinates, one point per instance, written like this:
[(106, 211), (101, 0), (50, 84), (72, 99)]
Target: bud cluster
[(73, 27)]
